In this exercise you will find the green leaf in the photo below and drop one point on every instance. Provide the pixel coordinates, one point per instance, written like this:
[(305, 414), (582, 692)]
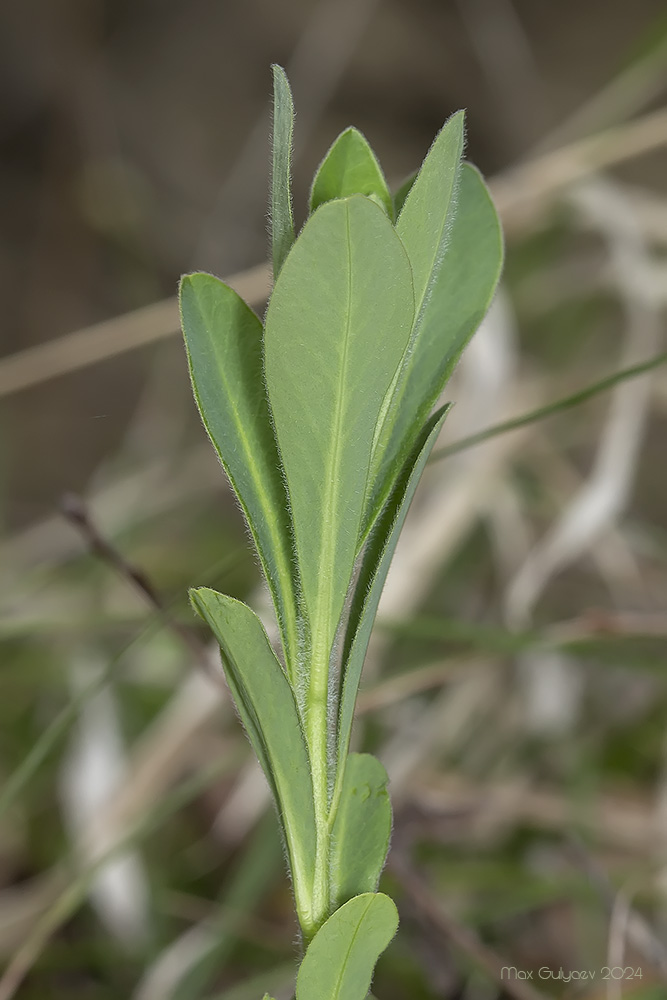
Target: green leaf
[(340, 960), (428, 211), (372, 575), (362, 829), (455, 304), (336, 328), (223, 339), (350, 167), (282, 219), (266, 704)]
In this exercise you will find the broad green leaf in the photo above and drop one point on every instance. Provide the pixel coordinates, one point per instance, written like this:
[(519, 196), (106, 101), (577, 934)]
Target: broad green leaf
[(282, 219), (454, 306), (339, 962), (266, 704), (336, 328), (350, 167), (362, 829), (223, 339), (372, 575)]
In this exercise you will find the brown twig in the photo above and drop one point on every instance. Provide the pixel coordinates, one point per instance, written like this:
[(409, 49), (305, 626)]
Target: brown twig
[(462, 938), (76, 512)]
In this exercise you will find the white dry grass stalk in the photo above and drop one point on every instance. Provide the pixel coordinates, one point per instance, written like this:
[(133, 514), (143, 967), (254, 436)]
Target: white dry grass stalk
[(163, 975), (93, 771), (551, 687), (445, 509), (604, 495)]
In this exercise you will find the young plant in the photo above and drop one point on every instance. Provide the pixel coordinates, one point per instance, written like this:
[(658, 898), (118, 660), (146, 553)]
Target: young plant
[(322, 419)]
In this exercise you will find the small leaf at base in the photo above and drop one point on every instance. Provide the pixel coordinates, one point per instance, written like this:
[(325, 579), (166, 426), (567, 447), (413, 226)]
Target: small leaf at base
[(362, 829), (340, 959)]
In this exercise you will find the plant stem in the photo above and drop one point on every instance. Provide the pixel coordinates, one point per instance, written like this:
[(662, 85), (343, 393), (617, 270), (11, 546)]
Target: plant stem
[(317, 746)]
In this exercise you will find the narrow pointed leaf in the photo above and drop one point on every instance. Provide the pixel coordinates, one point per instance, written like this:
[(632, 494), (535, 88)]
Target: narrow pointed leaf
[(424, 226), (340, 960), (457, 301), (350, 167), (428, 211), (223, 339), (336, 328), (372, 575), (282, 219), (362, 829), (266, 704)]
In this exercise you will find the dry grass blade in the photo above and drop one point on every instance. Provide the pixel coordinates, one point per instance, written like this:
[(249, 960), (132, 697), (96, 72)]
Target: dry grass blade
[(113, 337), (517, 193)]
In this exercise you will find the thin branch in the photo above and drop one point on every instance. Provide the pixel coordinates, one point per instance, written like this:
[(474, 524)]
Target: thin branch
[(461, 937), (75, 511), (566, 403)]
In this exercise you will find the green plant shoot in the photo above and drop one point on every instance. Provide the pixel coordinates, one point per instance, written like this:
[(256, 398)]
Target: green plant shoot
[(323, 419)]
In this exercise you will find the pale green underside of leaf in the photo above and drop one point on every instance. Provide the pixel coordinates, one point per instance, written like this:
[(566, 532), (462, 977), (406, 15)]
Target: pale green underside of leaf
[(267, 707), (336, 328), (340, 960), (282, 220), (457, 302), (223, 339), (373, 571), (362, 829), (350, 167)]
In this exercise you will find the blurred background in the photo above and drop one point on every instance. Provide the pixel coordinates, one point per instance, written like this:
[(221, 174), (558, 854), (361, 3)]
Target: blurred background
[(516, 688)]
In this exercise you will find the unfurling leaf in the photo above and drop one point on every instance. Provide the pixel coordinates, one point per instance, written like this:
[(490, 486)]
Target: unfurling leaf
[(282, 221), (350, 167)]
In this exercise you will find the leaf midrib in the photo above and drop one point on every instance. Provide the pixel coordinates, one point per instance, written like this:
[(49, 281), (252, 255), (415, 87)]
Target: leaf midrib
[(329, 507), (343, 965)]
